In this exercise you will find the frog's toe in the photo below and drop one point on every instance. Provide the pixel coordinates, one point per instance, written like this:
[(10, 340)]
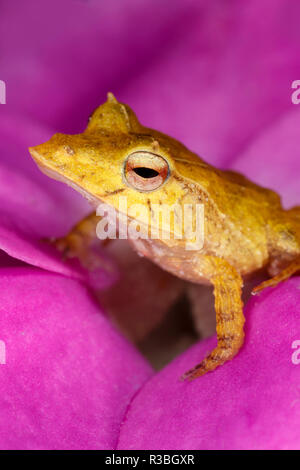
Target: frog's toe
[(67, 246), (285, 274), (194, 373), (210, 363), (225, 351)]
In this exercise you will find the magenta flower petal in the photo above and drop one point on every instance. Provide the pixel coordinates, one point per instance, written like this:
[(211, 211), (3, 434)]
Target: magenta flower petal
[(216, 75), (225, 76), (212, 85), (273, 159), (69, 375), (24, 222), (25, 191), (78, 51), (252, 402), (34, 207)]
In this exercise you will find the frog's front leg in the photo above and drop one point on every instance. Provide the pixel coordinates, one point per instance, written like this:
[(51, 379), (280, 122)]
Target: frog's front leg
[(79, 241), (229, 314), (78, 237)]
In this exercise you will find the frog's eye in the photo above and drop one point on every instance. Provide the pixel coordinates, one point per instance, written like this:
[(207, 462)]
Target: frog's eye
[(146, 171)]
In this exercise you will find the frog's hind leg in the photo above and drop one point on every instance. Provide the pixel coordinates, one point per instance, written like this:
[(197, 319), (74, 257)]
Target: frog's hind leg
[(292, 219), (294, 213), (229, 316), (285, 274)]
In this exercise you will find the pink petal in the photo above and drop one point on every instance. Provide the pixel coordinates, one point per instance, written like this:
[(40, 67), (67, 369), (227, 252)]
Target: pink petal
[(203, 73), (59, 68), (34, 207), (69, 375), (224, 75), (252, 402), (273, 159)]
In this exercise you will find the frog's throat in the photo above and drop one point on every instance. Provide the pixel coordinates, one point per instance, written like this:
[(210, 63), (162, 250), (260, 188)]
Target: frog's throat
[(59, 177)]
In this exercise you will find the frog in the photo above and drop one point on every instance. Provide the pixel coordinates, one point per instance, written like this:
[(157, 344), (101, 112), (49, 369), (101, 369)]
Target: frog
[(245, 227)]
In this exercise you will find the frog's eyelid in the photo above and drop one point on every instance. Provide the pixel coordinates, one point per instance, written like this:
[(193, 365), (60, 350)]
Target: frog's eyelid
[(149, 155)]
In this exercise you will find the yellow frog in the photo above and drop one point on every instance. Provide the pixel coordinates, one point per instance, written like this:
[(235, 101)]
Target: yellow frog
[(244, 225)]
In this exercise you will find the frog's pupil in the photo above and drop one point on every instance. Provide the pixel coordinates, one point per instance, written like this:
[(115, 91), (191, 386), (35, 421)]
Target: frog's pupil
[(146, 172)]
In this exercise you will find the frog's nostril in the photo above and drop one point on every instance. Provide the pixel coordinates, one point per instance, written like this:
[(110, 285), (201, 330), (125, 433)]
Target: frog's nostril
[(69, 150)]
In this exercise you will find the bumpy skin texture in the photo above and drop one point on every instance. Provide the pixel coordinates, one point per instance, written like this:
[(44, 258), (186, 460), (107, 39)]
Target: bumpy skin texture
[(245, 227)]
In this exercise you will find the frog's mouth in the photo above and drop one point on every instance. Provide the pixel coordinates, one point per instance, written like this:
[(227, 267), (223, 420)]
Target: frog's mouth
[(45, 167)]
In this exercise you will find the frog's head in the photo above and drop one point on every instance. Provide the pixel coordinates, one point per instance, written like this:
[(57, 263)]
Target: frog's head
[(117, 156)]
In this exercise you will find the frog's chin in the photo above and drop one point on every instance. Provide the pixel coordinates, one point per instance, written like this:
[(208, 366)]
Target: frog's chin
[(62, 178)]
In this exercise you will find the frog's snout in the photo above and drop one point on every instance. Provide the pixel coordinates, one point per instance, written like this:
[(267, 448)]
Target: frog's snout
[(34, 153), (42, 157), (37, 154), (48, 153)]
